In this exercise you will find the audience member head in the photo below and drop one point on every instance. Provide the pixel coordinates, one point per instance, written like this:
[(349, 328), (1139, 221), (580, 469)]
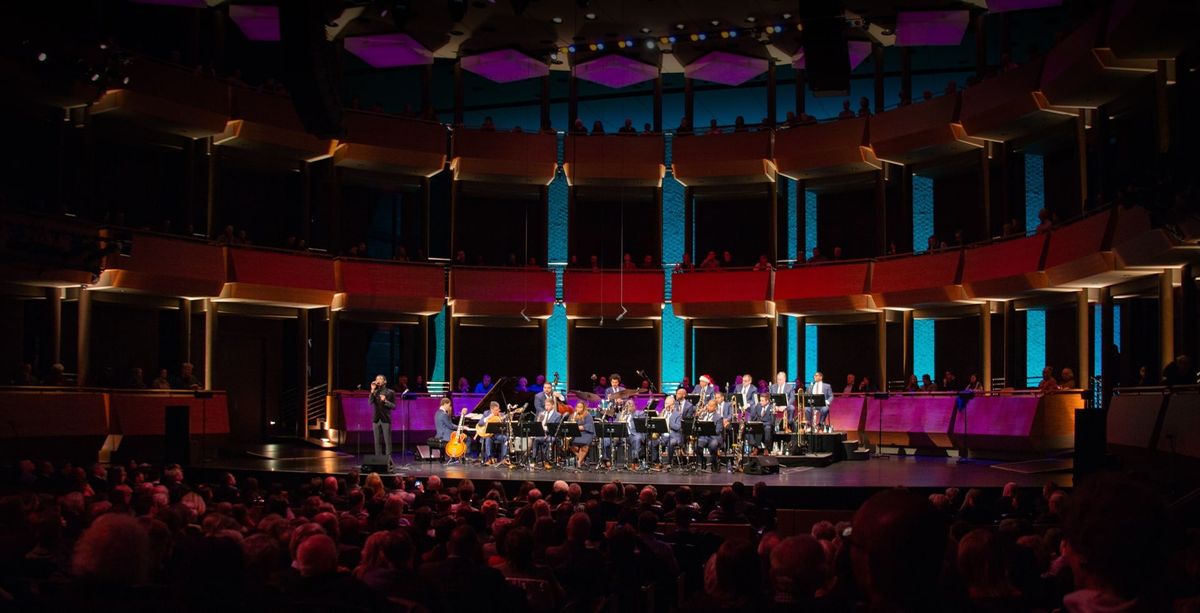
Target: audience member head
[(798, 568), (316, 556), (897, 547), (981, 565), (114, 551)]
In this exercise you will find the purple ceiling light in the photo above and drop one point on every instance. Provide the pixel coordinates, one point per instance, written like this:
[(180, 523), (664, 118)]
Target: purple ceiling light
[(504, 66), (257, 22), (615, 71), (931, 27), (859, 50), (725, 68), (1000, 6), (389, 50)]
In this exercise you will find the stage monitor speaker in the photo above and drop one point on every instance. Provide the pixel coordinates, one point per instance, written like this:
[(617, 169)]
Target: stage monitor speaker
[(177, 434), (1091, 442), (826, 53), (428, 453), (377, 464), (308, 65), (761, 465)]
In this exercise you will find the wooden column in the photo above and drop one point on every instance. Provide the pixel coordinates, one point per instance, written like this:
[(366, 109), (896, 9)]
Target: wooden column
[(773, 206), (331, 375), (1082, 337), (1166, 318), (1011, 376), (210, 343), (771, 93), (658, 104), (302, 371), (1081, 158), (210, 195), (985, 191), (985, 344), (83, 338), (877, 57), (881, 350), (1006, 191), (426, 197), (185, 331), (774, 323), (54, 302), (906, 344), (689, 103), (458, 94)]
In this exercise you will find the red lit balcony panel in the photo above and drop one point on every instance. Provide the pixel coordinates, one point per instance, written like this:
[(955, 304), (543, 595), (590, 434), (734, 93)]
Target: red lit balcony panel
[(278, 277), (917, 279), (816, 288), (502, 291), (1005, 269), (722, 159), (1075, 74), (829, 149), (271, 119), (177, 95), (734, 293), (166, 266), (1019, 422), (396, 145), (504, 157), (144, 414), (847, 412), (595, 294), (1078, 251), (1136, 243), (634, 160), (920, 420), (390, 286), (920, 132), (51, 413), (1008, 106)]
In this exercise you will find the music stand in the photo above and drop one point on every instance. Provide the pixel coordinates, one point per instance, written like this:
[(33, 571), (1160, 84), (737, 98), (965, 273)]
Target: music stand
[(618, 430), (569, 430), (736, 400), (880, 396), (704, 428), (652, 407), (529, 430), (694, 399), (779, 400)]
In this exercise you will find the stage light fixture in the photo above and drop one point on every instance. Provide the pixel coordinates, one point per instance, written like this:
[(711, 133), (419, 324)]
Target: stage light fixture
[(41, 57), (695, 37), (671, 39), (621, 44), (590, 16), (724, 34), (645, 30), (556, 19), (733, 34), (679, 26), (571, 49), (628, 43), (650, 43), (703, 36), (592, 47), (751, 19), (715, 22), (600, 46)]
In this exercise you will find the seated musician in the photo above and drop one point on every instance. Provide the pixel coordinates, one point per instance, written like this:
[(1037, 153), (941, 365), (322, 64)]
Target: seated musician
[(674, 436), (550, 418), (495, 447), (587, 432), (781, 386), (724, 417), (709, 413), (819, 388), (443, 421), (629, 410), (763, 411)]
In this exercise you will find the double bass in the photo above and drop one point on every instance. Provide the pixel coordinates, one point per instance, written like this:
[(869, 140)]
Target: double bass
[(558, 405)]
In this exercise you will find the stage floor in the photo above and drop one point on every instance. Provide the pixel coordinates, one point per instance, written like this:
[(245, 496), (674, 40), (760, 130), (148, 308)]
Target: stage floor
[(918, 472)]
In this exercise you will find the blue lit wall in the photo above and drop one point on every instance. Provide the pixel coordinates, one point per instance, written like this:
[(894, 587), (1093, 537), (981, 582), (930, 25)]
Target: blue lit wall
[(1035, 345), (924, 357), (556, 239), (673, 340), (439, 347), (1035, 191), (1098, 334), (791, 326), (922, 204), (1117, 326), (810, 222), (810, 351)]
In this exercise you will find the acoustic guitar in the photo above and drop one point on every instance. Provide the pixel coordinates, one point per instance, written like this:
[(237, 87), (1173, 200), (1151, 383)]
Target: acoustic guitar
[(457, 445)]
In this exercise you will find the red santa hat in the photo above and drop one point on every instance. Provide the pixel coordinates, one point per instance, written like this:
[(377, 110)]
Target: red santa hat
[(705, 378)]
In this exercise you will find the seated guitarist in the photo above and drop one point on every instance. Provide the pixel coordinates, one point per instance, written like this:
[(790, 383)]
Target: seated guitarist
[(443, 422)]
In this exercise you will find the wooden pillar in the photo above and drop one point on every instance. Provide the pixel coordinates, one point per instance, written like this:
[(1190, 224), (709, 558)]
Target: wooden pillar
[(302, 370), (877, 58), (1166, 318), (210, 343), (185, 331), (545, 102), (774, 323), (427, 92), (689, 103), (771, 93), (210, 192), (426, 208), (800, 100), (773, 206), (906, 72), (1082, 337), (881, 238), (1108, 365), (83, 338), (1081, 158), (1006, 192), (331, 352), (905, 223), (54, 302), (906, 344), (881, 350), (658, 104), (458, 94), (985, 344), (985, 190), (1011, 377)]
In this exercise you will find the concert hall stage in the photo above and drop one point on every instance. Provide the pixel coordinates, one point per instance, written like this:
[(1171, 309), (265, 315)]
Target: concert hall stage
[(840, 485)]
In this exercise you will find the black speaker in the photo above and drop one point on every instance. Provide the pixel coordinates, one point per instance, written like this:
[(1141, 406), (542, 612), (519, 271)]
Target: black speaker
[(377, 464), (826, 54), (177, 435), (761, 465), (308, 65), (1091, 442)]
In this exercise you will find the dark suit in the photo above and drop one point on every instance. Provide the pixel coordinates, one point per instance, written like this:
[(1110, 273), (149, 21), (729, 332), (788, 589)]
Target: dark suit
[(444, 424), (820, 389), (705, 393), (382, 400), (766, 415)]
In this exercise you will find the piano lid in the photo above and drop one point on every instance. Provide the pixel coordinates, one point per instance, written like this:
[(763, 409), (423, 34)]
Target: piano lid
[(504, 391)]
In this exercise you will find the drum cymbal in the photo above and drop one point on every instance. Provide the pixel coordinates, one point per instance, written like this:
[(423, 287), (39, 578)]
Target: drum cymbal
[(623, 394), (586, 396)]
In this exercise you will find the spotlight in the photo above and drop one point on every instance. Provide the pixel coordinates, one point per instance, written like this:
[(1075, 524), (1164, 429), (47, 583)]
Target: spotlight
[(787, 15), (703, 36), (590, 16), (95, 77), (592, 47), (733, 34), (103, 46), (666, 39), (41, 57), (695, 37), (645, 30), (600, 46), (628, 43), (556, 19), (650, 43), (125, 81), (724, 34), (752, 19), (621, 44), (571, 49), (715, 22), (671, 39), (679, 26)]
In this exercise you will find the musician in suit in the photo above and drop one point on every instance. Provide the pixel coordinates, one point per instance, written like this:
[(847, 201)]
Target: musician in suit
[(614, 386), (705, 390), (673, 413), (495, 447), (724, 417), (747, 391), (443, 420), (383, 401), (709, 413), (819, 388), (780, 386), (587, 432), (763, 411), (547, 395), (550, 419)]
